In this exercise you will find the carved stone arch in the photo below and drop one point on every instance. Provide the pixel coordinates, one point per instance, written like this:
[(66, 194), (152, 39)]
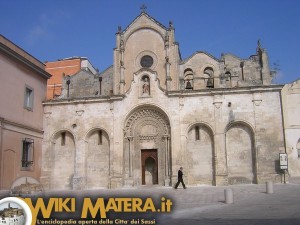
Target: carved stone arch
[(200, 154), (240, 153), (149, 112), (147, 131)]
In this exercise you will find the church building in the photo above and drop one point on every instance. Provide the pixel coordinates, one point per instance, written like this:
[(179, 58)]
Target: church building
[(151, 112)]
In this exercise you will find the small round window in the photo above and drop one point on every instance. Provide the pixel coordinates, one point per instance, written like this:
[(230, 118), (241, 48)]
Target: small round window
[(146, 61)]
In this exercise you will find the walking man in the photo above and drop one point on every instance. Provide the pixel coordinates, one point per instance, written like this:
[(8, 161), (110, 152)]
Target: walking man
[(180, 179)]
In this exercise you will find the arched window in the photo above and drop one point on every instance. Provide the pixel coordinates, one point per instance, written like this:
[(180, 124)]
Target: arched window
[(63, 138), (197, 133), (228, 76), (100, 137), (209, 75), (228, 79), (188, 78)]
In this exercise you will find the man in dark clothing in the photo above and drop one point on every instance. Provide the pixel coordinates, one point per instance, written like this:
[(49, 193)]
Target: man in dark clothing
[(180, 179)]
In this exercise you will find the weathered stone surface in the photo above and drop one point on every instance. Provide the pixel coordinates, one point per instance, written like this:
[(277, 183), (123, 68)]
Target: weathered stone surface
[(227, 129), (291, 113)]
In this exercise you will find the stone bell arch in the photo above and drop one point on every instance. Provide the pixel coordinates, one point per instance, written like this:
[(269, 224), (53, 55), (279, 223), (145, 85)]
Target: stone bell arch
[(147, 149)]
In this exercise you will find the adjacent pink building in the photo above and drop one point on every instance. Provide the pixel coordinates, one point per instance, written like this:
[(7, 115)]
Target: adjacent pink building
[(23, 85)]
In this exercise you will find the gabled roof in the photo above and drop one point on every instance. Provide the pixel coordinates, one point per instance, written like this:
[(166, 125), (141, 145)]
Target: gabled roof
[(102, 72), (234, 56), (149, 17), (205, 53), (82, 72)]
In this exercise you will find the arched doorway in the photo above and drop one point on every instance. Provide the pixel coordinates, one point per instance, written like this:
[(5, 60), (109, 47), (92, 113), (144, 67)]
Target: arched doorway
[(147, 135), (149, 167)]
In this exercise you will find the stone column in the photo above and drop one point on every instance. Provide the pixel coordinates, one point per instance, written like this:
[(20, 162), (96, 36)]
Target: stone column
[(257, 114), (167, 160), (122, 80), (168, 64), (122, 68), (168, 77), (130, 139), (128, 181)]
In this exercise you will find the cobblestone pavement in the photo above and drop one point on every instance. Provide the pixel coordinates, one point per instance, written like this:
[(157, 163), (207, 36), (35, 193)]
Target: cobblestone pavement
[(206, 204)]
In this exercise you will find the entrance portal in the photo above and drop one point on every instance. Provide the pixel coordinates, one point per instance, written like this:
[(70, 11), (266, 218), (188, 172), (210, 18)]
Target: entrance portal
[(147, 148), (149, 166)]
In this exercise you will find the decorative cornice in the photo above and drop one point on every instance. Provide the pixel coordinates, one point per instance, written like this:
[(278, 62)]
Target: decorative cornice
[(94, 99), (21, 128), (225, 91)]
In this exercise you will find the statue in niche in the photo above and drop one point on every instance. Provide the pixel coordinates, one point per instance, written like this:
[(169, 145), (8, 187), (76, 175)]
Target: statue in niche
[(146, 86)]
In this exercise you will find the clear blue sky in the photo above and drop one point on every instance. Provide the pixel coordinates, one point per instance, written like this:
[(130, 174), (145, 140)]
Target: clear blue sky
[(56, 29)]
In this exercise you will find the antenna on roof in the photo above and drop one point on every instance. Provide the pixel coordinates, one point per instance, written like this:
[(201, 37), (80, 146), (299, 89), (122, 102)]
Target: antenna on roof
[(143, 8)]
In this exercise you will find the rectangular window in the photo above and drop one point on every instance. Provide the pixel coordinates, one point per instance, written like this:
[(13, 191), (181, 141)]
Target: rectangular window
[(197, 133), (27, 152), (100, 137), (63, 138), (28, 98)]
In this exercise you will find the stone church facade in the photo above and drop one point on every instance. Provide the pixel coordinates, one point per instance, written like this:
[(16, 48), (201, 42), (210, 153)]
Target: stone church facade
[(151, 112)]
